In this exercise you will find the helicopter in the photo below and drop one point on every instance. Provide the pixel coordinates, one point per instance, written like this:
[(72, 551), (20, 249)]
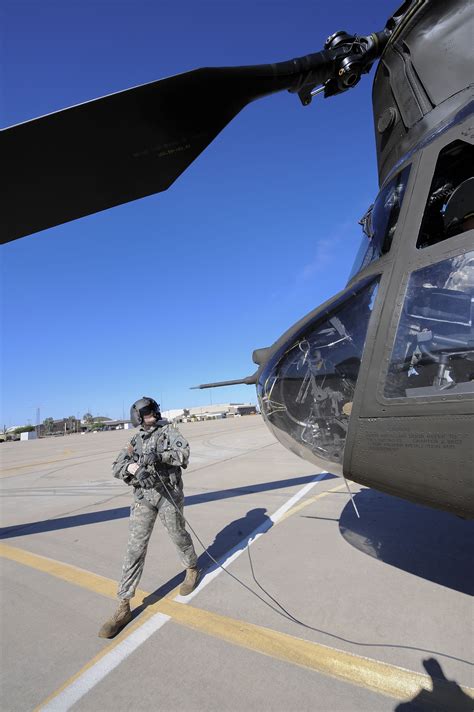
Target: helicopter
[(377, 383)]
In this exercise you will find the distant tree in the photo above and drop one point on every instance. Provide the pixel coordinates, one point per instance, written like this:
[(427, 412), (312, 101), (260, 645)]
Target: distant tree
[(88, 417), (24, 429), (48, 425), (71, 423), (186, 412), (96, 425)]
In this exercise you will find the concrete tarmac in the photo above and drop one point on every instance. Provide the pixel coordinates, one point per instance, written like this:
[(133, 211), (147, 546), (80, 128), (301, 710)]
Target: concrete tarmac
[(314, 609)]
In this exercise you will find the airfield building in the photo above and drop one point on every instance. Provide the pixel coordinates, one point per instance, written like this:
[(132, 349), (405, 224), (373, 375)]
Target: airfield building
[(210, 412)]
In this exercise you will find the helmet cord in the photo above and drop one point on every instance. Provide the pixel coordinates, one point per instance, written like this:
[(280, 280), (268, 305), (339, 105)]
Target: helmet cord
[(283, 612)]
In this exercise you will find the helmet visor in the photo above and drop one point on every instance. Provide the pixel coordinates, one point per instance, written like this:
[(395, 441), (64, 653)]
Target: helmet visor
[(148, 410)]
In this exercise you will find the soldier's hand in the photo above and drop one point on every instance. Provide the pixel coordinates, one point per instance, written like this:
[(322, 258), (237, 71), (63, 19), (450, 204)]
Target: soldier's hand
[(146, 479), (148, 459)]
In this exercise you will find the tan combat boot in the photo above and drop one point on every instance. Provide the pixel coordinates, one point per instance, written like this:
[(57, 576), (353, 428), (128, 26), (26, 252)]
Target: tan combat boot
[(120, 618), (190, 582)]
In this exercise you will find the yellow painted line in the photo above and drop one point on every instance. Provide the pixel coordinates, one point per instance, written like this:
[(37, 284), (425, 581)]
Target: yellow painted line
[(389, 680), (90, 581), (66, 572), (301, 505)]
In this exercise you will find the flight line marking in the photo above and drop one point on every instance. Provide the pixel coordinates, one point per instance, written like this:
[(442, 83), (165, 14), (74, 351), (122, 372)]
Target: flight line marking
[(390, 680), (90, 674), (308, 501)]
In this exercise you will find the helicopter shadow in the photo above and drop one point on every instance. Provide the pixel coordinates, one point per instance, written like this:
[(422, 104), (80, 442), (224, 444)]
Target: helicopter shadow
[(426, 542)]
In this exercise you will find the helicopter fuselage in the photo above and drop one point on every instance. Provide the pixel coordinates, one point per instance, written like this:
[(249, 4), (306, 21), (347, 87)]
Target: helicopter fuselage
[(378, 383)]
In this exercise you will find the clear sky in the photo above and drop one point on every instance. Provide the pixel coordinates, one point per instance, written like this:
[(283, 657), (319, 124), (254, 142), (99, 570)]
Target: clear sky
[(177, 289)]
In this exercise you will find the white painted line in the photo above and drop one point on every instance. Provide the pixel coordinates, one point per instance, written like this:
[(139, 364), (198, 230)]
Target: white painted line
[(241, 546), (67, 697), (285, 507), (77, 689)]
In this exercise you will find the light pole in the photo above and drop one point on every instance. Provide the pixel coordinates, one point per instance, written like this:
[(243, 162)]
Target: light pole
[(38, 421)]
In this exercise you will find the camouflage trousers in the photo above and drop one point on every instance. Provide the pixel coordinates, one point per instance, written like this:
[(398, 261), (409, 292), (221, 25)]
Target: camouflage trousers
[(142, 520)]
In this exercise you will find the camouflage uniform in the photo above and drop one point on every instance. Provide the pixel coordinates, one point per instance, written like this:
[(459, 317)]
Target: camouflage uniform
[(174, 454)]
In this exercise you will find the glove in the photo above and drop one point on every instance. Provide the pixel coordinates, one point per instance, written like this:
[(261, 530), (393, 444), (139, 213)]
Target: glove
[(146, 479), (149, 459)]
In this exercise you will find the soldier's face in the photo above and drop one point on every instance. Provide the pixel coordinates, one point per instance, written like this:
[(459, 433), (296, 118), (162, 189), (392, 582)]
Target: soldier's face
[(149, 419)]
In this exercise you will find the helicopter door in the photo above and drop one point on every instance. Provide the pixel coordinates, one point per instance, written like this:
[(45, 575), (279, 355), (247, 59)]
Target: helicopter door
[(412, 425)]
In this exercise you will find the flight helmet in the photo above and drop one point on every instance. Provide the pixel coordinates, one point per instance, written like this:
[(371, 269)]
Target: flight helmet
[(142, 407)]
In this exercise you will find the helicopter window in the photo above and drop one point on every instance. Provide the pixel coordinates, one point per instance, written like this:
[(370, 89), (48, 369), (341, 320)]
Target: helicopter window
[(380, 221), (434, 347), (306, 390), (450, 207)]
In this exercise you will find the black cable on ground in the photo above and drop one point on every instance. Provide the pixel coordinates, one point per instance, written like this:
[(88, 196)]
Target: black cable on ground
[(286, 614)]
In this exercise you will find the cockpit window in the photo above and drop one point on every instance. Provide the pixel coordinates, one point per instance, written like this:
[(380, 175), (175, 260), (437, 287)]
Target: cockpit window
[(433, 353), (306, 390), (380, 221), (450, 206)]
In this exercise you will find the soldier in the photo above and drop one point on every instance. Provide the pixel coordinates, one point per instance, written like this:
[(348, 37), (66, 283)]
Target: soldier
[(152, 463)]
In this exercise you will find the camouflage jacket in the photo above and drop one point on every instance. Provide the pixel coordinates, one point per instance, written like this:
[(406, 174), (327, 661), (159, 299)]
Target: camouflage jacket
[(165, 440)]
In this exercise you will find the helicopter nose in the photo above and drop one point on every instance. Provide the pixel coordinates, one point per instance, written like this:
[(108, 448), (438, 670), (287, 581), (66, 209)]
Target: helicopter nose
[(307, 387)]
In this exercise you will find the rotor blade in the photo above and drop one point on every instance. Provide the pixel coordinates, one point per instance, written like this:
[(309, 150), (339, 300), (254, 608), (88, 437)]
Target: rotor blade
[(128, 145)]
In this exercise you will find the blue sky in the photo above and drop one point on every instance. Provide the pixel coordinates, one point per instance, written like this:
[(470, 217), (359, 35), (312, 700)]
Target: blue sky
[(177, 289)]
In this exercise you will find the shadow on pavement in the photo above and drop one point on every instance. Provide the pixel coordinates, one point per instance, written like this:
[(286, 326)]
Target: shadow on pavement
[(234, 537), (231, 538), (74, 520), (445, 695), (426, 542), (252, 489), (105, 515)]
